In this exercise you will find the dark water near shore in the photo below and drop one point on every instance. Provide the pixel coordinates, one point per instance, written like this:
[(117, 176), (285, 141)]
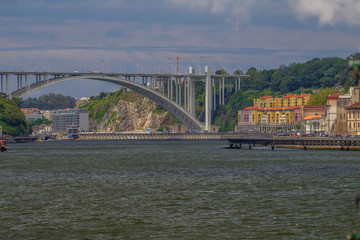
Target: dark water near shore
[(175, 190)]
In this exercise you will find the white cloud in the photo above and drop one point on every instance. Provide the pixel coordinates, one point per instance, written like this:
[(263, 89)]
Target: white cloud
[(236, 11), (329, 12)]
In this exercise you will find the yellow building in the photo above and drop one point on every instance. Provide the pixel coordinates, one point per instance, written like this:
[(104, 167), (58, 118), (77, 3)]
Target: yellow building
[(291, 100), (274, 111)]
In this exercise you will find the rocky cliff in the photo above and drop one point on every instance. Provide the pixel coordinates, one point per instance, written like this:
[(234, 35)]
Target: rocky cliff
[(127, 111)]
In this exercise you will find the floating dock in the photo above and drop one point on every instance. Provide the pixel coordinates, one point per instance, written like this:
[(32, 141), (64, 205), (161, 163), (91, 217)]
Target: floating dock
[(295, 142)]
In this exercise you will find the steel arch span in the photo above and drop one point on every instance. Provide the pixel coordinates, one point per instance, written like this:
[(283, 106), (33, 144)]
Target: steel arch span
[(189, 120)]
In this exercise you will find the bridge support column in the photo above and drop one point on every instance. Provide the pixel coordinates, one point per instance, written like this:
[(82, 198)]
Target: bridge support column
[(168, 88), (185, 95), (214, 85), (28, 81), (223, 91), (176, 90), (208, 98), (192, 97), (179, 94), (171, 89), (8, 85)]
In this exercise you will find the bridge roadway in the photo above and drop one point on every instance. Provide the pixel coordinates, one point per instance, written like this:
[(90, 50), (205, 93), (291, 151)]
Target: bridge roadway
[(295, 142)]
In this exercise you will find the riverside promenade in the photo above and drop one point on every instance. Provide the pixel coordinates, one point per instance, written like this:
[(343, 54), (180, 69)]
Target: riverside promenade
[(295, 142), (156, 136)]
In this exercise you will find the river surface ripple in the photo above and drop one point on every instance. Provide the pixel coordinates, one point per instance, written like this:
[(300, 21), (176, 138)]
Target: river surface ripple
[(175, 190)]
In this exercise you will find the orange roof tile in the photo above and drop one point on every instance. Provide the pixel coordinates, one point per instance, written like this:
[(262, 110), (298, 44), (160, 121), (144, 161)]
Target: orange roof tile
[(265, 97), (318, 107), (251, 108), (312, 117), (334, 96)]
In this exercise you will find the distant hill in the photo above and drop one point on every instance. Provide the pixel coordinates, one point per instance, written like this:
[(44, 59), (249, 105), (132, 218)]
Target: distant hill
[(49, 101)]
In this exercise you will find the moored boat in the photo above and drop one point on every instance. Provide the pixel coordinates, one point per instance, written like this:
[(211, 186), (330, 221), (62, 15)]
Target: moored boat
[(3, 146)]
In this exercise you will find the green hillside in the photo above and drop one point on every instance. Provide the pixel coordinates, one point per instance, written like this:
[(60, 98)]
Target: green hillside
[(12, 120), (327, 73)]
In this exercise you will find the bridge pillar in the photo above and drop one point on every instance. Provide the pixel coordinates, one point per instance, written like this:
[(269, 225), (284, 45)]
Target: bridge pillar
[(8, 85), (223, 91), (192, 97), (220, 91), (28, 81), (214, 85), (208, 98)]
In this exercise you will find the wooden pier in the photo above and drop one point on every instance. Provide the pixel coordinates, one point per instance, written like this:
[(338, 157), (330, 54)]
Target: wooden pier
[(296, 142)]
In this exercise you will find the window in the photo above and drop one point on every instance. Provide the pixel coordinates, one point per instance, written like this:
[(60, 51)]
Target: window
[(349, 125)]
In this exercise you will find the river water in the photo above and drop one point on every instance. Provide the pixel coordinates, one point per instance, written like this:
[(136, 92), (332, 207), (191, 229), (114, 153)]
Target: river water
[(175, 190)]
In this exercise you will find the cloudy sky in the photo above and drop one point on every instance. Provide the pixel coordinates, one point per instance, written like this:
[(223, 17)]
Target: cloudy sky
[(140, 35)]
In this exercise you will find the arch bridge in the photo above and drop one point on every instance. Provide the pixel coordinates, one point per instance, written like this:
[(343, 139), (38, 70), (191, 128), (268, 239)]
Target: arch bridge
[(174, 92)]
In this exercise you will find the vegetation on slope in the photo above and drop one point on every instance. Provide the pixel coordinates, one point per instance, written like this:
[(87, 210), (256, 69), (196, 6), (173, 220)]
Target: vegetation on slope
[(12, 120), (98, 106)]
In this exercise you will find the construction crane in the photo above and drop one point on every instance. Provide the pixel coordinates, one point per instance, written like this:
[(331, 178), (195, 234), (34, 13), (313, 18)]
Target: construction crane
[(181, 58)]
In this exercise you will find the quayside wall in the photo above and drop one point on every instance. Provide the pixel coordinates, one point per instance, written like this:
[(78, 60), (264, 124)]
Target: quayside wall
[(157, 136), (295, 142)]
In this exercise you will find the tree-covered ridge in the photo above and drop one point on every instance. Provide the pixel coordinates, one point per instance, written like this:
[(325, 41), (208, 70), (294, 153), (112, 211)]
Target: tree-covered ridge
[(316, 73), (12, 120), (49, 101)]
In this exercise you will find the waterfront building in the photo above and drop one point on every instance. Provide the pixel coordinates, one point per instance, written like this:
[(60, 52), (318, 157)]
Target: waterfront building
[(291, 100), (353, 119), (70, 120), (269, 113), (32, 114), (315, 110), (341, 124), (48, 114), (331, 113)]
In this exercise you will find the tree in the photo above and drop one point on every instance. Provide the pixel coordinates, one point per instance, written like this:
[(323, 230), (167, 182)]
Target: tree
[(239, 72), (320, 98)]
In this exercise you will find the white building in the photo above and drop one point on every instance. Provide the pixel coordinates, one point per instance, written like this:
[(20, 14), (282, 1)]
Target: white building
[(64, 120)]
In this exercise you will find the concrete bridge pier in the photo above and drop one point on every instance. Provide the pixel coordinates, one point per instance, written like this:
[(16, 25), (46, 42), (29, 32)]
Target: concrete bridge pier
[(208, 98), (2, 83), (8, 85)]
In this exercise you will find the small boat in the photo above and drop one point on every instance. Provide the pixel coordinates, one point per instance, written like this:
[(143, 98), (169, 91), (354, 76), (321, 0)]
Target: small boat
[(3, 146)]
